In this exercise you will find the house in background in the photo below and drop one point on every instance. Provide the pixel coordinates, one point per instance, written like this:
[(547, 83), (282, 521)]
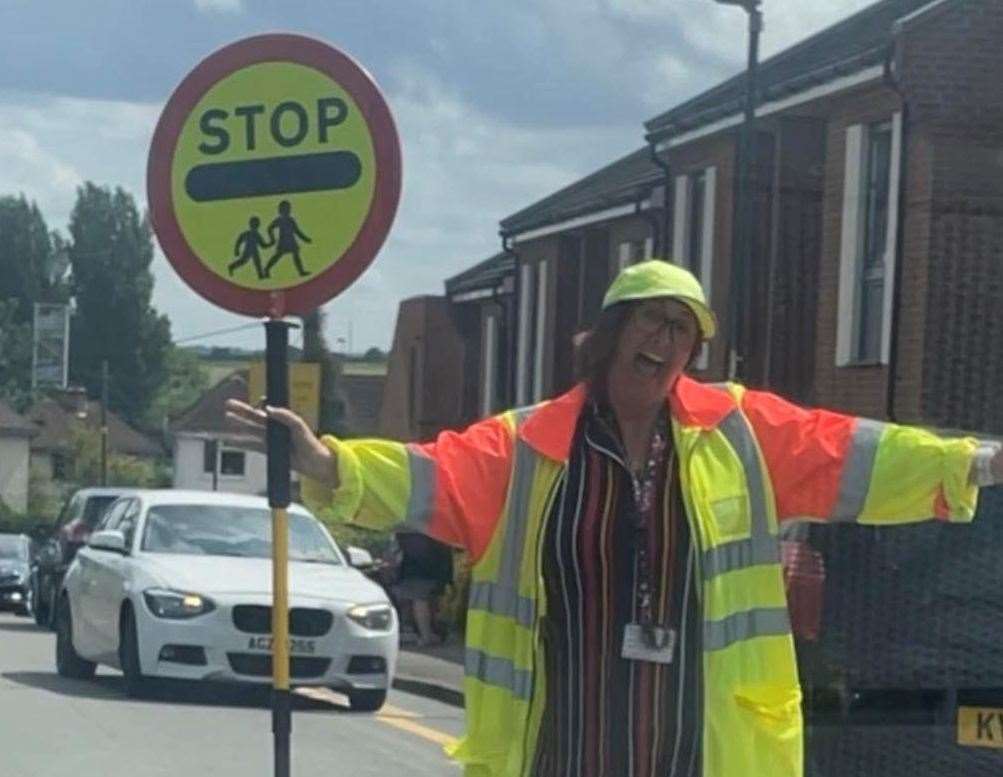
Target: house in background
[(15, 457), (206, 449), (58, 417)]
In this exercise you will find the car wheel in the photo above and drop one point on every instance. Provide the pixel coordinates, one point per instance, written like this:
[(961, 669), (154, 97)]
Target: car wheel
[(39, 610), (367, 699), (53, 609), (137, 685), (68, 661)]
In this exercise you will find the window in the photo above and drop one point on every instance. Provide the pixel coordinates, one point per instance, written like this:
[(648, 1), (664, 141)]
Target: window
[(867, 254), (633, 251), (693, 236), (872, 270), (231, 463)]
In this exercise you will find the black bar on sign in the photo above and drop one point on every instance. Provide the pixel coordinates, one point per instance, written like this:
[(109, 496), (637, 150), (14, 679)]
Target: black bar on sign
[(273, 175), (277, 395)]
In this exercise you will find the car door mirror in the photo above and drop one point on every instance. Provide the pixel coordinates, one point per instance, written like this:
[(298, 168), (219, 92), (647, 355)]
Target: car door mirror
[(359, 557), (108, 540)]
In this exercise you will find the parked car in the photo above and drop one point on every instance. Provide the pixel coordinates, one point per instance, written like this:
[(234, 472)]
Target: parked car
[(177, 584), (76, 521), (15, 559)]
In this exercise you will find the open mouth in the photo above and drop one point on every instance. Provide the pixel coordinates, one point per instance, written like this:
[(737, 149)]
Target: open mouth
[(648, 364)]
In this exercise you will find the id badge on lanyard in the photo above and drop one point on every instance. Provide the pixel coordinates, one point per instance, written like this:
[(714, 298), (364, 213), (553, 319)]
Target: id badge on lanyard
[(656, 644)]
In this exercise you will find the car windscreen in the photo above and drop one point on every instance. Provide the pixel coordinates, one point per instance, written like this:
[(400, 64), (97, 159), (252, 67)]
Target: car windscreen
[(95, 508), (13, 547), (223, 530)]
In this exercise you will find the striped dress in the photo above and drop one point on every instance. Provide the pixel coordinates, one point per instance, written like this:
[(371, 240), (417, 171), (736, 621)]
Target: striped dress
[(606, 716)]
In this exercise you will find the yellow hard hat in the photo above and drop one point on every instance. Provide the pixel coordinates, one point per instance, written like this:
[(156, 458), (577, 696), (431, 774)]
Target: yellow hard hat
[(658, 278)]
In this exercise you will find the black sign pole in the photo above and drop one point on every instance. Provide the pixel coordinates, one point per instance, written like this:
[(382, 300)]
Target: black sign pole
[(277, 391)]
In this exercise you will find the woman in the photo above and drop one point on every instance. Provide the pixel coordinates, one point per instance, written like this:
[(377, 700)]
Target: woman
[(627, 612)]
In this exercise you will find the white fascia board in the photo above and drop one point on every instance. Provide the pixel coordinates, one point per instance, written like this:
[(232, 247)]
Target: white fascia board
[(859, 78), (470, 296), (581, 221)]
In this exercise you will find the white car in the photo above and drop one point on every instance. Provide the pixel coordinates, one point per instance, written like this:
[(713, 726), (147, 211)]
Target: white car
[(177, 584)]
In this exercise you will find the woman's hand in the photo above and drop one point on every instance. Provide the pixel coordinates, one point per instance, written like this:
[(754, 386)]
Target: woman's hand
[(308, 455)]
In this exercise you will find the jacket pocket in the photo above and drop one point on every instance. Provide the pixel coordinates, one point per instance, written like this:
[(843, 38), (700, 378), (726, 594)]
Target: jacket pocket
[(731, 516), (774, 706)]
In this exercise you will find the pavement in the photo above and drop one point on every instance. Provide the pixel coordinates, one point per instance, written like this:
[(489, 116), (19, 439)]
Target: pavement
[(434, 672)]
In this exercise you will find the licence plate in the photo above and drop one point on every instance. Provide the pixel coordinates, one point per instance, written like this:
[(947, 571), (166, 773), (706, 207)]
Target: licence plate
[(980, 726), (298, 646)]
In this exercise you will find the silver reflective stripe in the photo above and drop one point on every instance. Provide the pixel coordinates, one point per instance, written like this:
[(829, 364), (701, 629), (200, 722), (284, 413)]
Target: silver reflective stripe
[(760, 622), (504, 601), (421, 502), (736, 429), (517, 517), (740, 554), (500, 672), (856, 477)]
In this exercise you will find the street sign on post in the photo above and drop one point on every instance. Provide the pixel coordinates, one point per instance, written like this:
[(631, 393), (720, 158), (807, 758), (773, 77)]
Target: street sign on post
[(273, 178), (50, 345), (274, 175)]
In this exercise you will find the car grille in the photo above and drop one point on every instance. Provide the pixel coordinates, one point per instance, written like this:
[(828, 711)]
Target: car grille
[(260, 665), (303, 621), (9, 577)]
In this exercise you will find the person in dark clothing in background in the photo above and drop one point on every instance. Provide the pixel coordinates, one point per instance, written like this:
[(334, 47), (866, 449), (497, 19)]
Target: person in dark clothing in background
[(426, 569)]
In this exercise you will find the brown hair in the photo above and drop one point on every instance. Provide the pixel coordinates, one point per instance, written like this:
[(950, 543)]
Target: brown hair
[(594, 354), (596, 348)]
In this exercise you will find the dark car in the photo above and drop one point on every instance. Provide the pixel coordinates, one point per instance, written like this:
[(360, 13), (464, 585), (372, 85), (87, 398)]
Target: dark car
[(73, 528), (15, 558)]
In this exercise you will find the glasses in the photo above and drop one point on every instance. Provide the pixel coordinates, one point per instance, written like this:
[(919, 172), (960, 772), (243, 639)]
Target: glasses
[(652, 319)]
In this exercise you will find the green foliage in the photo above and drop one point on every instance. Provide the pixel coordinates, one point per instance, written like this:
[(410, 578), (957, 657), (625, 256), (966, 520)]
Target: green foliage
[(12, 521), (32, 260), (187, 379), (15, 357), (110, 256), (85, 464), (374, 355)]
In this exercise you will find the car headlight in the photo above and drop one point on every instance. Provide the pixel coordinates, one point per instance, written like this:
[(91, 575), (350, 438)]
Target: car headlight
[(375, 617), (176, 604)]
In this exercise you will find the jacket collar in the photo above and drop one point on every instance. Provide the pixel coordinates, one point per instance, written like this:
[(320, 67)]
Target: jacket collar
[(550, 427)]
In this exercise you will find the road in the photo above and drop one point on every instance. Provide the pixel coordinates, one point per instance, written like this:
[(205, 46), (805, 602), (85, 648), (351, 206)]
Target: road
[(52, 727)]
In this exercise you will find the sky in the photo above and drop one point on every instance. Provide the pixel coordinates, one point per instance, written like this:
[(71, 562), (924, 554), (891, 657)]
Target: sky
[(498, 103)]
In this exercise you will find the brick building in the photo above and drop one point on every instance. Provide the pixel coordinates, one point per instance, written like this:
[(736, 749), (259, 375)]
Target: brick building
[(875, 270)]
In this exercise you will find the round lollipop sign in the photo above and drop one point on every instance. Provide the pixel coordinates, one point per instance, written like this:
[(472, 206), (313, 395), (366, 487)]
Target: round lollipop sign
[(274, 175)]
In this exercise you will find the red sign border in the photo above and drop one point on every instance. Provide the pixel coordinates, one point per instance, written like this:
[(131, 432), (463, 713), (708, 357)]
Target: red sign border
[(347, 73)]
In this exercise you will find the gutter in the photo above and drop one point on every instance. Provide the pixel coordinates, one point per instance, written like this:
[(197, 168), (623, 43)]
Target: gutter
[(891, 80)]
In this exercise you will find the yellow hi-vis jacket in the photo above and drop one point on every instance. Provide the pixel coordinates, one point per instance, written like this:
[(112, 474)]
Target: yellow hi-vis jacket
[(746, 461)]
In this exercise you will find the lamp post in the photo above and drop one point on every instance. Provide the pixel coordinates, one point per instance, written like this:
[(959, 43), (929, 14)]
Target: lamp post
[(745, 232)]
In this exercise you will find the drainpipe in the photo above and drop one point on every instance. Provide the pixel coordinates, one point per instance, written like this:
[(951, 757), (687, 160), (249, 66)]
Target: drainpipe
[(512, 324), (649, 216), (662, 236), (891, 80)]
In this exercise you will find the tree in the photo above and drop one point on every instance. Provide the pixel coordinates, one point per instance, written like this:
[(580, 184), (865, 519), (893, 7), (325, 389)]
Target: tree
[(110, 254), (186, 381), (332, 407), (32, 259), (15, 356)]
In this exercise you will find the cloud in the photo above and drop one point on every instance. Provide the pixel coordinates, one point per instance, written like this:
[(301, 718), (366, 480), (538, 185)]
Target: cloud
[(220, 6), (498, 105)]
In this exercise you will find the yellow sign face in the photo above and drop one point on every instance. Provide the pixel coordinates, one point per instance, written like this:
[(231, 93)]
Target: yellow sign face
[(304, 389), (980, 726), (272, 176)]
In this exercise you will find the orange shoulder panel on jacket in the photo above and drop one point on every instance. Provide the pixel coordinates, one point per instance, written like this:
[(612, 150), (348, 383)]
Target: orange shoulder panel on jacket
[(472, 470), (805, 452)]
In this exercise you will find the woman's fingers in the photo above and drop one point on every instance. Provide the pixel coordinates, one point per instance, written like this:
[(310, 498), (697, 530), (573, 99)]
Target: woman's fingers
[(287, 417), (245, 411)]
